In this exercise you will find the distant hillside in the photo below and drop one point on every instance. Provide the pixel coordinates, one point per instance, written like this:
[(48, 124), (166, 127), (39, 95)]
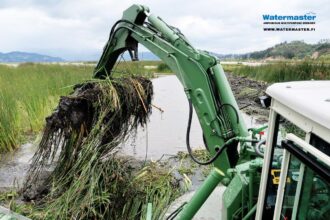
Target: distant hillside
[(18, 57), (294, 49)]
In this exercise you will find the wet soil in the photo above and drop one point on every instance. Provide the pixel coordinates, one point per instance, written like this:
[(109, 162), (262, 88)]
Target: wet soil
[(247, 93)]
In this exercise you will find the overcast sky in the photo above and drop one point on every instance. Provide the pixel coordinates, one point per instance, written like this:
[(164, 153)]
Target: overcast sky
[(78, 29)]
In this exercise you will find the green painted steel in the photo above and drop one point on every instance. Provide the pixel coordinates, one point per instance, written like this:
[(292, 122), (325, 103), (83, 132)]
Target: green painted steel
[(250, 213), (228, 97), (242, 192), (211, 182), (163, 28), (232, 198)]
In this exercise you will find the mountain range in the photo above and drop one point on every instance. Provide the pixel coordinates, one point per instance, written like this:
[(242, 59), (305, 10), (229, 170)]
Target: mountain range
[(17, 56)]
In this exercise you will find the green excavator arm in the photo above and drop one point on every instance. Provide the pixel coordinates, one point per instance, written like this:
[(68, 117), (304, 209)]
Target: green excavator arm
[(204, 83)]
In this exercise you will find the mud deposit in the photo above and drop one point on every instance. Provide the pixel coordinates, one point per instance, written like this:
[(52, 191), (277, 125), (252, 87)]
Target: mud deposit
[(247, 93)]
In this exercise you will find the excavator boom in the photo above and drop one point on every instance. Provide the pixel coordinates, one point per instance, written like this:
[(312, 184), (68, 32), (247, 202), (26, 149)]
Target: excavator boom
[(203, 80)]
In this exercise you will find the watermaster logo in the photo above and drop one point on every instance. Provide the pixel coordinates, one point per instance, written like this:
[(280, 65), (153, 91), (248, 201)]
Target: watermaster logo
[(275, 22)]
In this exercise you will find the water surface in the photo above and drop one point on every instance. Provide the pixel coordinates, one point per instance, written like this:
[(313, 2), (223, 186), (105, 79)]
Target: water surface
[(165, 133)]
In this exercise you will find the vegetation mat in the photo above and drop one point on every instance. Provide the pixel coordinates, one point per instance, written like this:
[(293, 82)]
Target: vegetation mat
[(87, 177)]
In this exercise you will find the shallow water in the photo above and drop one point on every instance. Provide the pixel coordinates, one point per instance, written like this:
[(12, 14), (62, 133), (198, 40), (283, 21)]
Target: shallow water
[(166, 132), (14, 166)]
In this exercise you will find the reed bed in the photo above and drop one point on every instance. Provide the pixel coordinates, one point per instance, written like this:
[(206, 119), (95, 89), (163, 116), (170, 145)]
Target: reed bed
[(284, 71), (28, 93)]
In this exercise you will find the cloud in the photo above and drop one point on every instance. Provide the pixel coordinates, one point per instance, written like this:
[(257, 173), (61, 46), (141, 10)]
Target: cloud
[(34, 30), (78, 29)]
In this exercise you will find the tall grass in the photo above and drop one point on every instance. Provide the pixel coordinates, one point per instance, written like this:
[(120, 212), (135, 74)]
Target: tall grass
[(8, 122), (283, 71), (28, 93)]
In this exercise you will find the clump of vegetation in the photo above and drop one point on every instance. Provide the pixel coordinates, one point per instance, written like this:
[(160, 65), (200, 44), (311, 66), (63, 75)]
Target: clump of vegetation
[(128, 191), (163, 68), (283, 71), (89, 180)]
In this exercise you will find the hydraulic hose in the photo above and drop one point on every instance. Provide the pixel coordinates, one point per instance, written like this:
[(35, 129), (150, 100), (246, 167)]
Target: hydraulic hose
[(188, 142)]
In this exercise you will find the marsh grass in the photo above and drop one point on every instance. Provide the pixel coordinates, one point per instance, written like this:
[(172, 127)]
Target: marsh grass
[(124, 194), (28, 93), (284, 71)]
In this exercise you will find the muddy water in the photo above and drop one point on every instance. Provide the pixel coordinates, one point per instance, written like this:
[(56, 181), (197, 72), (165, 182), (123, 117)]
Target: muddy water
[(14, 166), (166, 132)]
